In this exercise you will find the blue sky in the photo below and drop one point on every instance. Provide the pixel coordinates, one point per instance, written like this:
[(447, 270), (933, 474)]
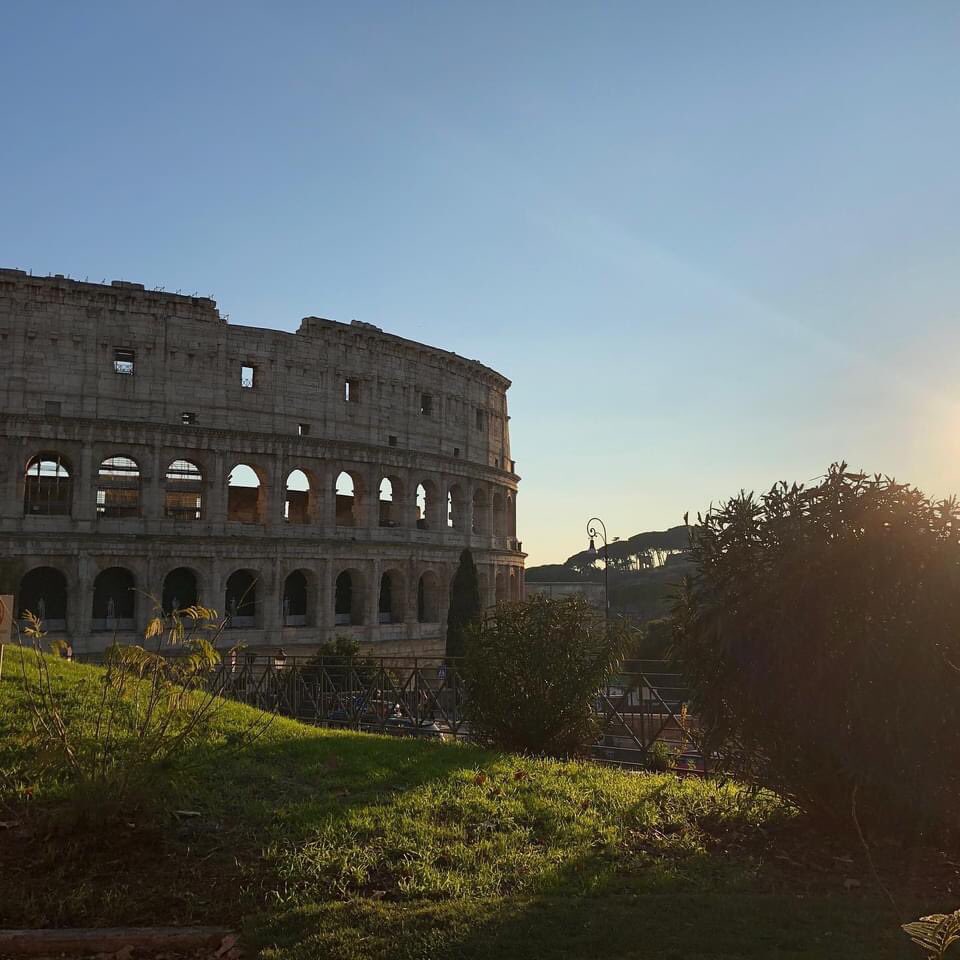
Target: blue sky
[(713, 245)]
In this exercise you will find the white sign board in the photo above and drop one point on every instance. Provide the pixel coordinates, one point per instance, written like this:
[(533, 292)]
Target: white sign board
[(6, 617)]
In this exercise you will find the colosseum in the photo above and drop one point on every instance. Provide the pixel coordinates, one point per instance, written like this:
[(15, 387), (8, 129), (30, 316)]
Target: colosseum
[(305, 484)]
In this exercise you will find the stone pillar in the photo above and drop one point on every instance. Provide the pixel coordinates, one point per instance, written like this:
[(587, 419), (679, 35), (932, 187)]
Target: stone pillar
[(84, 486), (323, 600), (410, 605), (407, 508), (274, 496), (215, 492), (372, 611), (10, 505), (80, 604), (271, 584), (152, 486)]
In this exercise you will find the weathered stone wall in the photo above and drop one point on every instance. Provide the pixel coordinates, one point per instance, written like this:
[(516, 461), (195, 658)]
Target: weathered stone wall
[(416, 415)]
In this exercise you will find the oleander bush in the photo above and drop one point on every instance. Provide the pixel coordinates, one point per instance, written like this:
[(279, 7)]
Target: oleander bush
[(532, 672), (821, 633)]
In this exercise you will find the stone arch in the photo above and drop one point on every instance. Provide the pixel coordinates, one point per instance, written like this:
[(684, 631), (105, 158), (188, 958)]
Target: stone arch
[(240, 599), (118, 488), (180, 590), (348, 490), (183, 491), (298, 602), (390, 501), (511, 515), (428, 598), (114, 600), (348, 598), (480, 520), (392, 599), (297, 507), (455, 507), (43, 592), (502, 586), (514, 586), (246, 494), (48, 486)]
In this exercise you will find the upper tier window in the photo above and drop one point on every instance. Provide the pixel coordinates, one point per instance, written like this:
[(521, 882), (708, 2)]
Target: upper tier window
[(123, 361)]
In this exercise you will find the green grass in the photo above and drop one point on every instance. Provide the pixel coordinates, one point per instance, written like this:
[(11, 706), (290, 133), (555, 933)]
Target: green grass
[(353, 847)]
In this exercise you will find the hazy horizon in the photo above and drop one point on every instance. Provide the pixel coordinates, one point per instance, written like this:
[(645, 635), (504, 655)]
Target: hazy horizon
[(713, 246)]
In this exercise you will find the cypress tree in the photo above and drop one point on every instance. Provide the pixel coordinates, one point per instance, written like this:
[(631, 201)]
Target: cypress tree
[(465, 606)]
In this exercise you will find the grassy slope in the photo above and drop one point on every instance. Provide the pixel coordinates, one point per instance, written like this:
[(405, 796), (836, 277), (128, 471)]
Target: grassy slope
[(353, 846)]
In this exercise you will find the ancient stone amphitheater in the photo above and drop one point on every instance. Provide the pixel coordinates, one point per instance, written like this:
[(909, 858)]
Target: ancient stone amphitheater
[(305, 485)]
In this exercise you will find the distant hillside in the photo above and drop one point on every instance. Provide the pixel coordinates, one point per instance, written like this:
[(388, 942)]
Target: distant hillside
[(645, 571)]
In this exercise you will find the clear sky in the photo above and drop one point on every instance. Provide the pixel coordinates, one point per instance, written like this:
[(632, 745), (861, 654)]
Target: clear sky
[(713, 244)]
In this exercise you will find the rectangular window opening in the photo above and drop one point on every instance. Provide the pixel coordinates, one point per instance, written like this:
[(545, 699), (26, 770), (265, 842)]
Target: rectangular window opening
[(246, 377), (393, 441), (188, 417), (456, 451), (351, 391), (303, 429), (123, 362), (51, 408), (479, 419), (426, 405)]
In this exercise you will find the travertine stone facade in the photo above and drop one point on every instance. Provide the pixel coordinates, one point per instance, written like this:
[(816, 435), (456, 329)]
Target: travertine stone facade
[(126, 412)]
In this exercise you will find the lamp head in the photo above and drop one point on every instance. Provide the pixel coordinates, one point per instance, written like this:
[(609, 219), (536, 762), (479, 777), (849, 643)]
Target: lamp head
[(592, 550)]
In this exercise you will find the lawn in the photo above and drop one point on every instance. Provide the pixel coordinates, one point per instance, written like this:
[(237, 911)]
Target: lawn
[(353, 847)]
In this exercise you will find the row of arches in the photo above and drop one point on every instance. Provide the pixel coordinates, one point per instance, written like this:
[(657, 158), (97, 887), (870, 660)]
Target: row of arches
[(44, 592), (48, 491)]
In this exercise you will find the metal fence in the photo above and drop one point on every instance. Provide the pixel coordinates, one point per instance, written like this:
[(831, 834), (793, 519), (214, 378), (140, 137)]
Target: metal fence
[(644, 704)]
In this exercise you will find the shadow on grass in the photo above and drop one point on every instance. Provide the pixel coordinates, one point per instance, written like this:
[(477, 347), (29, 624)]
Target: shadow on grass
[(198, 854), (590, 911)]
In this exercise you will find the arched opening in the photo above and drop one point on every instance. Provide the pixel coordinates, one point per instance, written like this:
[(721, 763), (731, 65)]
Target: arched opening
[(511, 516), (499, 515), (240, 599), (114, 600), (295, 599), (118, 488), (183, 491), (48, 487), (245, 499), (428, 598), (391, 496), (502, 587), (348, 599), (479, 511), (348, 500), (424, 502), (514, 586), (455, 508), (43, 592), (179, 590), (296, 508), (391, 601)]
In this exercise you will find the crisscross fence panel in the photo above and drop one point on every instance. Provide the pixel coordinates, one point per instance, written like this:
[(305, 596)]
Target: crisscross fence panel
[(645, 703)]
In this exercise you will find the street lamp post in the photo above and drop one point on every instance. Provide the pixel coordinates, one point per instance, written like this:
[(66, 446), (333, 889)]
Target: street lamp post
[(593, 532)]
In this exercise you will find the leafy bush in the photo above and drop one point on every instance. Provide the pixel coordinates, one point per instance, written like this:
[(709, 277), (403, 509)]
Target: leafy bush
[(821, 634), (533, 669), (150, 709), (935, 933), (659, 757)]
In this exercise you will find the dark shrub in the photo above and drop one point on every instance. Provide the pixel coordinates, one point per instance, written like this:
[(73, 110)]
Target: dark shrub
[(822, 636), (533, 669), (465, 606)]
